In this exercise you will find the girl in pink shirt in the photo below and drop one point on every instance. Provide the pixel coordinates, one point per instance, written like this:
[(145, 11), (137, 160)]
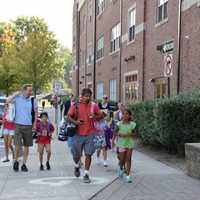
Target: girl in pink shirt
[(8, 133)]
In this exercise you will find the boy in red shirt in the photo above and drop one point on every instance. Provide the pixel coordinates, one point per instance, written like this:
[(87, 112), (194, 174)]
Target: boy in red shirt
[(83, 115)]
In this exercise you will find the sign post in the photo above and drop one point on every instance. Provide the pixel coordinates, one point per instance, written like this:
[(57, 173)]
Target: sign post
[(57, 88)]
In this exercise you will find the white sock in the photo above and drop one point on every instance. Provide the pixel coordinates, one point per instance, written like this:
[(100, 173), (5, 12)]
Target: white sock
[(76, 165), (87, 172)]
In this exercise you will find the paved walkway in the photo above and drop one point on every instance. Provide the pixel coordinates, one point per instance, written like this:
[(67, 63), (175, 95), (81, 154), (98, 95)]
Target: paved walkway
[(57, 184), (153, 180)]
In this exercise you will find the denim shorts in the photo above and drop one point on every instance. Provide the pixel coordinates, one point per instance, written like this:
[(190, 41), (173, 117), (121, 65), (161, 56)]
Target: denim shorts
[(8, 132), (82, 143)]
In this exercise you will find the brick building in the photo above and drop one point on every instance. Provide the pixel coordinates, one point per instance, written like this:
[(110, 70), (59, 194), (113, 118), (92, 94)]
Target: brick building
[(136, 49)]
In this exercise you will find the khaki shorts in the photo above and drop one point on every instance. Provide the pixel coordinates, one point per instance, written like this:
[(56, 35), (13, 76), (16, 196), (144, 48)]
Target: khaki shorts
[(23, 135)]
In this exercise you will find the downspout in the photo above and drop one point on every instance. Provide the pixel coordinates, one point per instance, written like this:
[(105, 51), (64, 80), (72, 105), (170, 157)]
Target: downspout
[(120, 53), (86, 47), (144, 53), (95, 29), (78, 48), (179, 47)]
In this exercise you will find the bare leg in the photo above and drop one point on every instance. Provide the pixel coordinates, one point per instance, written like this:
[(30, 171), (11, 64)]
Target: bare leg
[(10, 145), (6, 146), (105, 156), (88, 160), (98, 153), (17, 152), (48, 150), (41, 152), (122, 159), (128, 161), (26, 152)]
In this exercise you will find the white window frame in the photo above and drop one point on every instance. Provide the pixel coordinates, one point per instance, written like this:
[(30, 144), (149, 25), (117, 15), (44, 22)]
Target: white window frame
[(131, 23), (99, 91), (115, 38), (136, 83), (113, 90), (161, 7), (100, 48), (100, 6)]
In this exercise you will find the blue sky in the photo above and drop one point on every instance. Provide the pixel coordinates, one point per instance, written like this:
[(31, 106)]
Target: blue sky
[(57, 14)]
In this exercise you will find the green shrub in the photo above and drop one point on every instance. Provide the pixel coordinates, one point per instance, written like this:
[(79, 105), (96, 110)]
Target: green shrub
[(144, 116), (169, 122)]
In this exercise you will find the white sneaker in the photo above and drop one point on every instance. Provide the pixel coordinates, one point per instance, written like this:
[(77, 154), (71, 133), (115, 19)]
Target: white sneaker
[(105, 163)]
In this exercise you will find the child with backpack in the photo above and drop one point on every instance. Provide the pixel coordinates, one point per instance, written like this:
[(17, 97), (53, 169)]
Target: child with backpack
[(124, 136), (44, 134)]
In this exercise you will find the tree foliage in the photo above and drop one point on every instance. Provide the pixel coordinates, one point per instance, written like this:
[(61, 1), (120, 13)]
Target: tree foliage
[(33, 56)]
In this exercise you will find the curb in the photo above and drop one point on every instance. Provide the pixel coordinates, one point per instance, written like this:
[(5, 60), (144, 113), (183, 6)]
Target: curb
[(102, 189)]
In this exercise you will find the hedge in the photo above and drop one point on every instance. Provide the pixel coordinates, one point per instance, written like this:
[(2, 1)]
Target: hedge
[(169, 122)]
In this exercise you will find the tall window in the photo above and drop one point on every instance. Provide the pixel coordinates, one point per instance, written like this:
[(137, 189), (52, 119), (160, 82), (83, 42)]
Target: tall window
[(113, 90), (131, 24), (100, 6), (99, 91), (131, 87), (115, 38), (162, 11), (100, 48)]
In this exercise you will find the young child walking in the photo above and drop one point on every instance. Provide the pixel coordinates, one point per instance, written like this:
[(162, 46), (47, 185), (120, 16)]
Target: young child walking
[(100, 139), (8, 133), (44, 134), (124, 136)]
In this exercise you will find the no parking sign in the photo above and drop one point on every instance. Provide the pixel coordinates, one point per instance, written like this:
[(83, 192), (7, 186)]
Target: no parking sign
[(168, 65)]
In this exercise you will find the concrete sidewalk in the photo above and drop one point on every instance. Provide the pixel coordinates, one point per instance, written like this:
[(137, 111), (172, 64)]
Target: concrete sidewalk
[(57, 184), (152, 180)]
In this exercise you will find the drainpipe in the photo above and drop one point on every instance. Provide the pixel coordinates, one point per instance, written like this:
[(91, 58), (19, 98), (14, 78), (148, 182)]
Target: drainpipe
[(78, 48), (95, 29), (120, 53), (179, 47), (144, 53), (86, 47)]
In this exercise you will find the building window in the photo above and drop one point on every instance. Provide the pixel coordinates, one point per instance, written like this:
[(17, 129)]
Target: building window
[(100, 48), (131, 24), (90, 55), (90, 59), (115, 38), (113, 90), (99, 91), (100, 6), (162, 10), (89, 85), (160, 89), (131, 87)]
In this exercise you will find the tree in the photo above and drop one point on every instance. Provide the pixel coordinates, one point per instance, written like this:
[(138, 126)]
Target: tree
[(66, 56), (39, 56), (25, 25), (37, 48), (7, 36), (9, 74)]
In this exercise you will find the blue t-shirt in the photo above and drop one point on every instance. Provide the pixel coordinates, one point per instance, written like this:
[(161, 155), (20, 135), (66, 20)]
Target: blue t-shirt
[(23, 109)]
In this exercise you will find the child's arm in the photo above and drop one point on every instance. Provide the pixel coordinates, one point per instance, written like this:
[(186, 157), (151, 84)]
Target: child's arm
[(52, 129), (115, 134)]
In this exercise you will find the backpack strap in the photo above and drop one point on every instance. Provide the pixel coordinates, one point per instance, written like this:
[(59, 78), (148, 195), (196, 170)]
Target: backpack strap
[(32, 109)]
